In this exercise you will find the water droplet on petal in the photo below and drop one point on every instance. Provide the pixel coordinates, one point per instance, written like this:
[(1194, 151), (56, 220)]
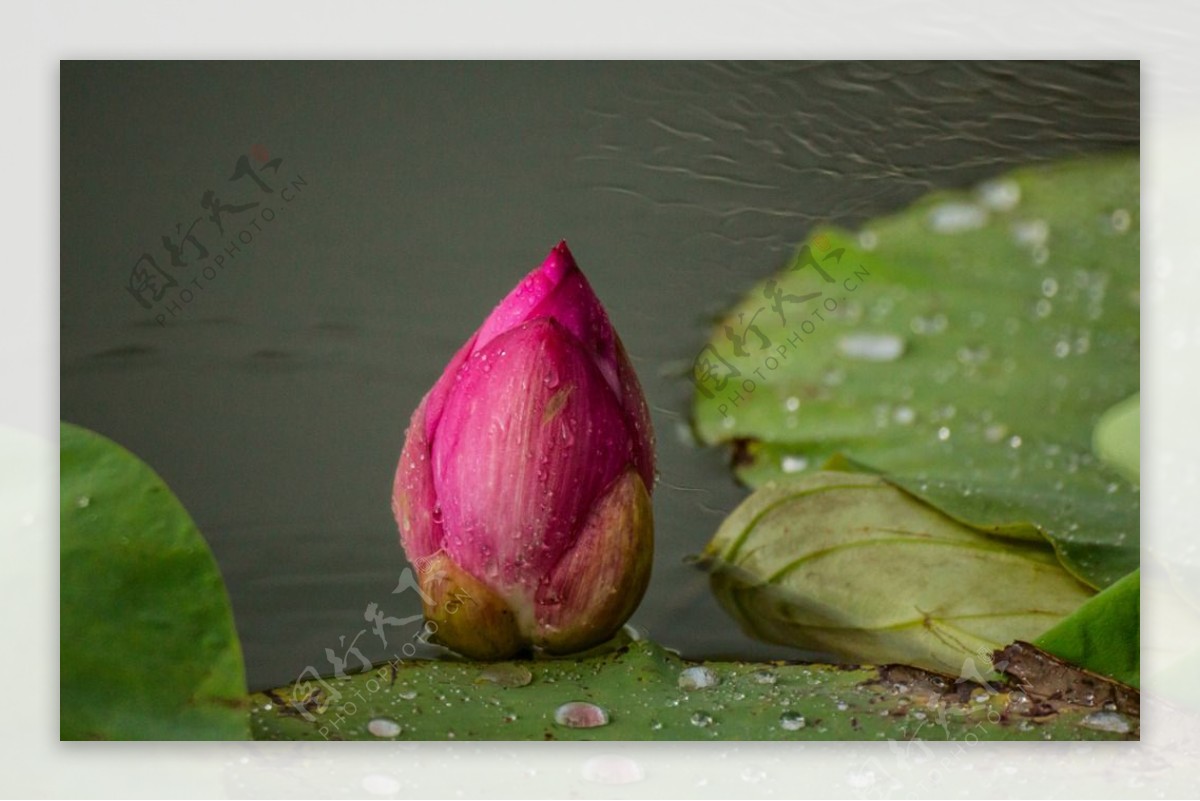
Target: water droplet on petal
[(382, 727), (871, 347), (792, 721), (580, 715), (698, 677)]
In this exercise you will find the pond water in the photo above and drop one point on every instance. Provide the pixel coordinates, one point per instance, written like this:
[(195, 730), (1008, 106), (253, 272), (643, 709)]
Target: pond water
[(404, 201)]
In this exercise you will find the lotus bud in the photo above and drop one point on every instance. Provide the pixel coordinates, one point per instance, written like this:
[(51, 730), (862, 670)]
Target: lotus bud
[(523, 489), (852, 567)]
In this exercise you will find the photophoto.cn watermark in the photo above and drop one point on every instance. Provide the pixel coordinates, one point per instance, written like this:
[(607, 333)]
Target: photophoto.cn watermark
[(215, 235), (732, 371), (314, 694)]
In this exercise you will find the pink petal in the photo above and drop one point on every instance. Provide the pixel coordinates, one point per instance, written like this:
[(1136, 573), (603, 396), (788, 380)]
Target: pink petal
[(530, 437), (414, 500), (558, 289)]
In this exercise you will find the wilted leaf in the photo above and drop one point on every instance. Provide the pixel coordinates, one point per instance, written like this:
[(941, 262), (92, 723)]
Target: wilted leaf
[(850, 565), (647, 693), (965, 348), (148, 650), (1104, 634)]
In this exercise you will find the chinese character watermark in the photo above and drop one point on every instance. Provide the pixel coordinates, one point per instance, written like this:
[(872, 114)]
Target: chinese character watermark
[(165, 282), (732, 374)]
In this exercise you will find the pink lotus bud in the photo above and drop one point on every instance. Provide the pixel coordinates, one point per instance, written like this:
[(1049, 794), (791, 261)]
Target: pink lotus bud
[(523, 492)]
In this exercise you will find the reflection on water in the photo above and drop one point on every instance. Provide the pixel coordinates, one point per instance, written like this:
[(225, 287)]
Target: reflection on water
[(275, 403)]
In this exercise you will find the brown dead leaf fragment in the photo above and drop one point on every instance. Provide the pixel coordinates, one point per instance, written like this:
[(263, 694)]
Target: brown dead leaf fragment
[(1051, 682)]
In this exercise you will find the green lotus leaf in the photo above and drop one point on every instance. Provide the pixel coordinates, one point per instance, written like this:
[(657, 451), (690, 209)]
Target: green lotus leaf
[(641, 691), (148, 649), (1103, 635), (965, 348)]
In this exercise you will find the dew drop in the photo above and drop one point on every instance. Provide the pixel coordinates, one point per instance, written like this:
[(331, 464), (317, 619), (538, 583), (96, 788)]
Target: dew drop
[(868, 240), (1031, 233), (929, 325), (580, 715), (763, 677), (995, 433), (407, 695), (842, 706), (943, 433), (1043, 309), (999, 195), (1119, 220), (951, 218), (1049, 287), (1062, 349), (793, 464), (505, 675), (382, 727), (1014, 441), (698, 677), (904, 415), (83, 501), (1107, 721), (974, 356), (701, 719), (792, 721), (792, 403), (871, 347)]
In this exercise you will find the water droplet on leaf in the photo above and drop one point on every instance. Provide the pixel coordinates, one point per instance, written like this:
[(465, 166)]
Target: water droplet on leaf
[(871, 347), (382, 727), (698, 677), (580, 715), (792, 721)]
